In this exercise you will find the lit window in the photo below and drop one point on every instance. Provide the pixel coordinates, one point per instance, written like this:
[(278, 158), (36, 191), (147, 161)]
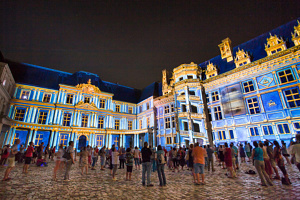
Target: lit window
[(130, 110), (231, 134), (248, 86), (218, 113), (101, 122), (167, 109), (222, 135), (185, 126), (173, 122), (254, 131), (25, 94), (84, 120), (99, 140), (174, 140), (102, 103), (167, 122), (215, 96), (297, 127), (283, 128), (64, 139), (38, 139), (168, 140), (117, 124), (42, 117), (47, 98), (87, 99), (292, 97), (268, 130), (253, 106), (207, 98), (20, 113), (70, 98), (172, 108), (148, 106), (285, 76), (117, 108), (67, 119), (129, 125)]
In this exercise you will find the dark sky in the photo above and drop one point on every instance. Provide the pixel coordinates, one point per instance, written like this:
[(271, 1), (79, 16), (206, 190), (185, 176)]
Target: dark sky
[(130, 42)]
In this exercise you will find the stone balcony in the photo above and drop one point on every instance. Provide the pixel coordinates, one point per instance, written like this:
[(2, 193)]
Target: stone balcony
[(184, 133), (193, 115), (183, 114), (194, 98), (199, 134), (181, 98)]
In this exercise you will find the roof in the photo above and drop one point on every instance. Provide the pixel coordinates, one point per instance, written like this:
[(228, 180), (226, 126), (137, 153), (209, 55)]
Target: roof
[(150, 90), (255, 47)]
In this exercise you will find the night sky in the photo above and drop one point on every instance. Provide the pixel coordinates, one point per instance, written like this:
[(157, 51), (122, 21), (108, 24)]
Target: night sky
[(131, 42)]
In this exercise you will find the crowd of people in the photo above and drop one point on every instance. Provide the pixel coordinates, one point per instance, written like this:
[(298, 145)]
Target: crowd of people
[(266, 157)]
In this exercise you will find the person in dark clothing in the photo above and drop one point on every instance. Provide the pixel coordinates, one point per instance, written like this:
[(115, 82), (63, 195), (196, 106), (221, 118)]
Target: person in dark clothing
[(146, 164)]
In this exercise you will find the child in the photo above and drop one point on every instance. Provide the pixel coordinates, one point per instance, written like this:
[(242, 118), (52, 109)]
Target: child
[(129, 164), (41, 162)]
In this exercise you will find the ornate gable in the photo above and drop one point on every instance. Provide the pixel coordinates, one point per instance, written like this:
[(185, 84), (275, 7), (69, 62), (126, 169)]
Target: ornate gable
[(296, 34), (211, 70), (242, 58), (88, 88), (226, 49), (274, 45), (86, 106)]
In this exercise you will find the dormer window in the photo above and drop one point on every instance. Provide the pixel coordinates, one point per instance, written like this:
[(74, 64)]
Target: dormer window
[(190, 77), (274, 45), (211, 70), (25, 94), (87, 99), (296, 35), (181, 78), (242, 58)]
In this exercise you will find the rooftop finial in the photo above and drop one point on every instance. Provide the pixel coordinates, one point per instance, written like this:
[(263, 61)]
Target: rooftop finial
[(89, 81)]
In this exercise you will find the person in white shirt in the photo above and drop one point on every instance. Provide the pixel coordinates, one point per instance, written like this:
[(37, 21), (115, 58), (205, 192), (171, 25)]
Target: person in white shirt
[(137, 157), (296, 151)]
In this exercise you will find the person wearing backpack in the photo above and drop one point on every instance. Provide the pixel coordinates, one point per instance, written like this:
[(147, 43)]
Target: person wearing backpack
[(129, 163), (160, 159)]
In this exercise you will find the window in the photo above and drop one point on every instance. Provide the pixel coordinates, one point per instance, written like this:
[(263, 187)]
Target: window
[(181, 78), (173, 122), (254, 131), (231, 134), (84, 120), (87, 99), (268, 130), (20, 113), (275, 51), (297, 127), (172, 108), (167, 109), (253, 106), (283, 128), (209, 114), (102, 103), (25, 94), (148, 122), (99, 140), (117, 124), (64, 139), (67, 119), (190, 77), (167, 122), (38, 139), (141, 124), (183, 108), (292, 97), (168, 140), (196, 127), (207, 98), (101, 122), (148, 106), (174, 139), (130, 110), (285, 76), (70, 98), (218, 113), (141, 109), (248, 86), (222, 135), (192, 93), (185, 126), (47, 98), (117, 108), (215, 96), (129, 125), (194, 109), (42, 117)]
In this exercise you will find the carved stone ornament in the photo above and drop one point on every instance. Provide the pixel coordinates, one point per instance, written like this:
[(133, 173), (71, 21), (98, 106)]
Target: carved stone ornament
[(211, 70), (88, 88), (274, 45), (296, 34), (242, 58), (226, 49)]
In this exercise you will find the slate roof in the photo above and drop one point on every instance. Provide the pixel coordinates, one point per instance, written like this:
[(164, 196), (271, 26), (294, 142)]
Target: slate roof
[(255, 47)]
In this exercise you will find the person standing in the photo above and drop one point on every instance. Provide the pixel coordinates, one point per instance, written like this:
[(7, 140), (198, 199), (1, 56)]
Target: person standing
[(242, 153), (160, 159), (236, 155), (268, 166), (280, 162), (146, 164), (285, 153), (137, 157), (58, 160), (271, 156), (69, 160), (257, 156), (228, 161), (94, 158), (198, 154), (122, 157), (248, 151), (11, 159), (84, 161), (129, 164), (210, 160), (114, 161), (191, 161), (28, 156), (296, 151), (102, 157)]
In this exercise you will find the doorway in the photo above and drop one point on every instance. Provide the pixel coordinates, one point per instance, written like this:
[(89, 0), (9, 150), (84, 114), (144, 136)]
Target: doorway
[(82, 142)]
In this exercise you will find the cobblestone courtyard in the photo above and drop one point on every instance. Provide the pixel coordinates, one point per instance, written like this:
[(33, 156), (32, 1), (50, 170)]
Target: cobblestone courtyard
[(98, 185)]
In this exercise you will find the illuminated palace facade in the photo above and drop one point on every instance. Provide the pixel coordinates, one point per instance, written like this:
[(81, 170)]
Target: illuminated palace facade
[(248, 93)]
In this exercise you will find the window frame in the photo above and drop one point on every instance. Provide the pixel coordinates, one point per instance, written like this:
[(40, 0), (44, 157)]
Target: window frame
[(102, 103), (48, 98), (295, 101), (215, 95), (129, 125), (130, 110), (42, 119), (253, 104), (231, 134), (18, 115), (84, 120), (101, 122), (85, 98), (167, 123), (117, 124), (283, 128), (167, 109), (222, 135), (28, 95), (248, 86), (255, 130), (118, 108), (285, 75), (67, 119), (218, 113), (70, 98), (268, 129)]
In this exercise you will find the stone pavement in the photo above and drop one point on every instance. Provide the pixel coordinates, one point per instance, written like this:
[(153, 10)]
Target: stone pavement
[(98, 185)]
